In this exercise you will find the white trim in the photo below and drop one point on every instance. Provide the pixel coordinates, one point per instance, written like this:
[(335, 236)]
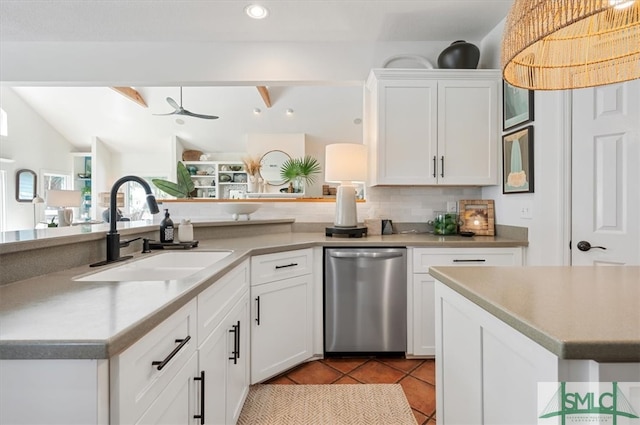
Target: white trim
[(565, 177)]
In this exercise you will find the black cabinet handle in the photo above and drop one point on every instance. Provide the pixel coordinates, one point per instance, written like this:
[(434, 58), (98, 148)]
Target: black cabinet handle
[(238, 338), (478, 260), (258, 310), (202, 398), (434, 166), (161, 364), (286, 265), (442, 168), (234, 331)]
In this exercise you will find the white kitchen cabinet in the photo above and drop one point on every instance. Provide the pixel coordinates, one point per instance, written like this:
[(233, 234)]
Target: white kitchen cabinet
[(282, 312), (433, 127), (224, 362), (146, 370), (487, 372), (421, 317), (224, 350)]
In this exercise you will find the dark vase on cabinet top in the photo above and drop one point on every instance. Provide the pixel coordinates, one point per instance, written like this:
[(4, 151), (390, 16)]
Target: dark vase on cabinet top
[(459, 55)]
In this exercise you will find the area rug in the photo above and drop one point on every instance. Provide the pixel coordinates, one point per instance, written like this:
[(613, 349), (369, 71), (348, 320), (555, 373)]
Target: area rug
[(340, 404)]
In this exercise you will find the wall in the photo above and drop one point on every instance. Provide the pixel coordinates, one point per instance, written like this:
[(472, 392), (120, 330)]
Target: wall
[(547, 225), (32, 143)]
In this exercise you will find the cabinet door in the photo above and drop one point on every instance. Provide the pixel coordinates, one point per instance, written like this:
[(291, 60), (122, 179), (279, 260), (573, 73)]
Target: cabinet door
[(176, 404), (406, 134), (468, 132), (424, 337), (238, 370), (213, 359), (281, 326)]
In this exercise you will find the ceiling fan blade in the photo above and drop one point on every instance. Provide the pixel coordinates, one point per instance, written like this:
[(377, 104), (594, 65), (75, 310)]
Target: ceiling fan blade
[(162, 115), (173, 103), (205, 117)]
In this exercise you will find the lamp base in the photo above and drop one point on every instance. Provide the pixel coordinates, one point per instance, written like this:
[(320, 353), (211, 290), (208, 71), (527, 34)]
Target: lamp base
[(352, 232)]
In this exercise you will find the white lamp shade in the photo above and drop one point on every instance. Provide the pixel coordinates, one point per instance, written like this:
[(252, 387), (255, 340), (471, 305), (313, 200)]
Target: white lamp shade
[(64, 198), (345, 162)]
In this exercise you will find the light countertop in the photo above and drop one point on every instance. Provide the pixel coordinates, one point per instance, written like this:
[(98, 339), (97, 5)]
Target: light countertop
[(578, 312), (53, 316)]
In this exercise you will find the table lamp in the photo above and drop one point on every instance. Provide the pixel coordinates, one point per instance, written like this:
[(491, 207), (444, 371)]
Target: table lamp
[(64, 200), (346, 163), (35, 201)]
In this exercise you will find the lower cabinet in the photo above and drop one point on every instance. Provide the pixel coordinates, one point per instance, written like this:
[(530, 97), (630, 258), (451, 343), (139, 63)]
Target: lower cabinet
[(281, 312), (421, 315), (282, 326), (224, 366)]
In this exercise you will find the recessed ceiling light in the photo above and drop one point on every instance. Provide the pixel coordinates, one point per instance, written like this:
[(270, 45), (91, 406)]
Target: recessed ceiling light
[(179, 121), (257, 111), (256, 11), (289, 111)]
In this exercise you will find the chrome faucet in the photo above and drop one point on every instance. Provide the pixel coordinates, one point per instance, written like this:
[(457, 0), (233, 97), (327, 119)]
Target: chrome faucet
[(113, 238)]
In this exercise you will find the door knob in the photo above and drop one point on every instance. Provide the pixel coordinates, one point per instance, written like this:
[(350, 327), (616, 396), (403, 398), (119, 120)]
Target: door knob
[(586, 246)]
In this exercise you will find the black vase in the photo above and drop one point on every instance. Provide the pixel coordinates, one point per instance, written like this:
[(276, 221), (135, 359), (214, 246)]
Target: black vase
[(459, 55)]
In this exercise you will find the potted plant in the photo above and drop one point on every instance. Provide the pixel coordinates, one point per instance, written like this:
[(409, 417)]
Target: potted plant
[(297, 171), (252, 167), (184, 187)]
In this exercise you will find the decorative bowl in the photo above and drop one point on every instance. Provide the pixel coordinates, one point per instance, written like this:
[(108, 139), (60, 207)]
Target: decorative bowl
[(236, 209)]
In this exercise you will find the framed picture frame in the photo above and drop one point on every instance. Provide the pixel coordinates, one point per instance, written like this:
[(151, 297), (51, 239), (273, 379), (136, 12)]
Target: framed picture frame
[(517, 161), (477, 216), (517, 106)]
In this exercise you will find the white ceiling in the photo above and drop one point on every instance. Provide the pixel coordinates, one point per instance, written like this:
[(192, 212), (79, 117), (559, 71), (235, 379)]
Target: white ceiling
[(325, 113), (224, 20)]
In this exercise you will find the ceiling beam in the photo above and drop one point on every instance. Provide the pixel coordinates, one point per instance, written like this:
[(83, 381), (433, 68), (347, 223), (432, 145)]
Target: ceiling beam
[(131, 94), (264, 92)]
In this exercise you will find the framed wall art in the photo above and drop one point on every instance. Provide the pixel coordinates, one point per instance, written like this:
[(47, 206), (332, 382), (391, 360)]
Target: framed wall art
[(517, 161), (517, 106), (477, 216)]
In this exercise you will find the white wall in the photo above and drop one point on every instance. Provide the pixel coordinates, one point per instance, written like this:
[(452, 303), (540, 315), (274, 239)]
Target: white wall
[(32, 143), (546, 245)]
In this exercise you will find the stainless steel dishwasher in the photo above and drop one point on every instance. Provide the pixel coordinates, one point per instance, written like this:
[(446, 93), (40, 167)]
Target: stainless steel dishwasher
[(365, 301)]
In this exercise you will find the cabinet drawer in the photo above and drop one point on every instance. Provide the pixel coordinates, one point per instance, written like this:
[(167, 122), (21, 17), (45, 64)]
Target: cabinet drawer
[(135, 381), (218, 299), (423, 257), (281, 265)]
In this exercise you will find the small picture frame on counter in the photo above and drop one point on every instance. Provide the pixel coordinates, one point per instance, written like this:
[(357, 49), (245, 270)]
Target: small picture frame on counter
[(477, 216)]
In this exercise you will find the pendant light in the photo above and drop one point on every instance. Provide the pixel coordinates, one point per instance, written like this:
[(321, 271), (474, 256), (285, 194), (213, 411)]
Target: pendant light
[(568, 44)]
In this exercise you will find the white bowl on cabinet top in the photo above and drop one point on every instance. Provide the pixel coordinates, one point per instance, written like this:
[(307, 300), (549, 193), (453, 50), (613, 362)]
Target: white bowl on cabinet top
[(239, 208)]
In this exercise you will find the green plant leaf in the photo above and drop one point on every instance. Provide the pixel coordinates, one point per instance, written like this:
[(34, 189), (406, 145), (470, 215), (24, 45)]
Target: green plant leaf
[(308, 167), (183, 189), (184, 178), (289, 170)]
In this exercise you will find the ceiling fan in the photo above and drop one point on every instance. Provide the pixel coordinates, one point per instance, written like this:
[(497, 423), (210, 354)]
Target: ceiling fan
[(179, 110)]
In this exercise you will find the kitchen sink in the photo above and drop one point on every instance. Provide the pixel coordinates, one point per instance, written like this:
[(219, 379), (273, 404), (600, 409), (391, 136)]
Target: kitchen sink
[(164, 266)]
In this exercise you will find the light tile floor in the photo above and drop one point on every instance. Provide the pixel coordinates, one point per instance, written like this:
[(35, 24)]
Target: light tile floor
[(417, 378)]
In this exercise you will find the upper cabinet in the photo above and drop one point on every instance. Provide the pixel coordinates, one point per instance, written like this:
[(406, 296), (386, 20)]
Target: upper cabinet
[(433, 127)]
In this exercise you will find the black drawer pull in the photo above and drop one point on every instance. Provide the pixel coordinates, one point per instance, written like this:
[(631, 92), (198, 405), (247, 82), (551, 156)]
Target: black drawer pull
[(202, 398), (235, 332), (163, 363), (478, 260), (258, 310), (286, 265)]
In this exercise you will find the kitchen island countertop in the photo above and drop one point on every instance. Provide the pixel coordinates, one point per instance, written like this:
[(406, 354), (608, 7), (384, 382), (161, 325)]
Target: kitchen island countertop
[(578, 312)]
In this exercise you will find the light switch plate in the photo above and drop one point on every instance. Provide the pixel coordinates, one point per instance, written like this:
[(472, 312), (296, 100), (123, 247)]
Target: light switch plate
[(526, 210)]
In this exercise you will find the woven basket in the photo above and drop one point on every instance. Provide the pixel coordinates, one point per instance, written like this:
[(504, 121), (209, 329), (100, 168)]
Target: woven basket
[(191, 155)]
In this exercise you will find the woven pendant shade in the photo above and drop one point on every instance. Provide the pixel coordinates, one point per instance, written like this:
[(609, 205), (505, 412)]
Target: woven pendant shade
[(568, 44)]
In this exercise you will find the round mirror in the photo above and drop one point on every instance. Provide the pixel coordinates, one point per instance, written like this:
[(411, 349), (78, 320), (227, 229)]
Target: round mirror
[(270, 165), (25, 185)]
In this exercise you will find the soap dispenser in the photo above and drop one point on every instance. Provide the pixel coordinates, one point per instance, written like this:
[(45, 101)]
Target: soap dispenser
[(166, 228)]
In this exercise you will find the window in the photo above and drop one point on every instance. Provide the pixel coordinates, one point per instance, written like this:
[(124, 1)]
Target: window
[(4, 128), (3, 193), (136, 199)]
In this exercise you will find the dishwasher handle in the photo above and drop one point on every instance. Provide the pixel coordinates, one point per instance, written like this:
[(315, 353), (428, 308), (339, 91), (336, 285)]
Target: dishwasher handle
[(350, 254)]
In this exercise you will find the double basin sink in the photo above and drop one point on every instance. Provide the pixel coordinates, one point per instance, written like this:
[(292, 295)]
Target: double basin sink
[(163, 266)]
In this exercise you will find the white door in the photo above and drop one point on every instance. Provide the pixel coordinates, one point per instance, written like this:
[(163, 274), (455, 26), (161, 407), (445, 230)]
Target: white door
[(605, 175)]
